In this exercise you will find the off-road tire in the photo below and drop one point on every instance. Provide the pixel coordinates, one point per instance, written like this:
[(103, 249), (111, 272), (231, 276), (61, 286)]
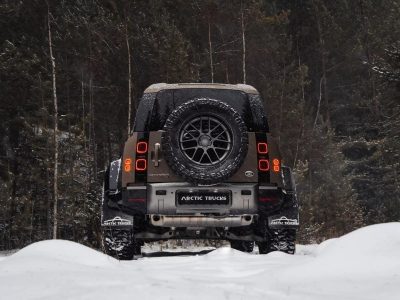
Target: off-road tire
[(283, 240), (120, 243), (195, 172), (244, 246)]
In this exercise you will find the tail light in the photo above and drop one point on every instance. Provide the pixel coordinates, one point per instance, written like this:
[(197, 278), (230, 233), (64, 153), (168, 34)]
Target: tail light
[(141, 156), (262, 151), (263, 165), (262, 148), (262, 154), (141, 147), (141, 164)]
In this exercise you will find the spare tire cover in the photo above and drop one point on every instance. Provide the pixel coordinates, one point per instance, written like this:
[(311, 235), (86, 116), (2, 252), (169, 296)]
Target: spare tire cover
[(205, 141)]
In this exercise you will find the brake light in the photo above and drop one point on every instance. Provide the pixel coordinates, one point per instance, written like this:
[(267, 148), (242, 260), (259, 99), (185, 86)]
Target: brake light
[(128, 164), (141, 147), (263, 165), (262, 148), (277, 165), (141, 164)]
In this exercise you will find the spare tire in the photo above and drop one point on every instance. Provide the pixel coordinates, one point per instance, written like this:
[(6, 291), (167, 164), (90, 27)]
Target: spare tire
[(204, 141)]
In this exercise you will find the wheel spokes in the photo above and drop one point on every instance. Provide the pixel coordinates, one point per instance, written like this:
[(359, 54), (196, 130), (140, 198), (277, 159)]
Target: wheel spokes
[(198, 143)]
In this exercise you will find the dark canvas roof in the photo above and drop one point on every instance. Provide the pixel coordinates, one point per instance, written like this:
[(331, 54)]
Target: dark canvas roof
[(154, 88)]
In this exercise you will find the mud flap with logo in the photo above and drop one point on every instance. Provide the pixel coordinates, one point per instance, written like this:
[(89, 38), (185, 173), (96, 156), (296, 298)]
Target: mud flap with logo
[(286, 219), (111, 216), (115, 218)]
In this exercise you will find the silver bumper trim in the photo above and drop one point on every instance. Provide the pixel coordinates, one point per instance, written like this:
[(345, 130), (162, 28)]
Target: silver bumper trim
[(200, 221), (136, 187), (266, 187)]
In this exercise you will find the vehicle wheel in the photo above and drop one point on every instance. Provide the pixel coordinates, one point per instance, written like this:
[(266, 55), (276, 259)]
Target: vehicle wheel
[(120, 244), (283, 240), (204, 141), (244, 246)]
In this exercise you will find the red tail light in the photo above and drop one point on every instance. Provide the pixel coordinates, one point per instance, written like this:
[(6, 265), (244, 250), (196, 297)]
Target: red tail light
[(263, 165), (262, 148), (141, 164), (141, 147), (277, 165)]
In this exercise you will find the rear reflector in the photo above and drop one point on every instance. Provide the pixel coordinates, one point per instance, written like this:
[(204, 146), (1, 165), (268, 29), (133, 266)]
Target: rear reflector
[(277, 165), (263, 165), (262, 148), (141, 147), (141, 164), (266, 199), (137, 200)]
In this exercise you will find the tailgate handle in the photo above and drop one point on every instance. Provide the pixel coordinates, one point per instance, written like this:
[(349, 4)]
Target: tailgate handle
[(156, 154)]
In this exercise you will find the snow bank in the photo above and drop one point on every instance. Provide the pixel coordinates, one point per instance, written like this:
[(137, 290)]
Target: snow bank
[(63, 251), (364, 264)]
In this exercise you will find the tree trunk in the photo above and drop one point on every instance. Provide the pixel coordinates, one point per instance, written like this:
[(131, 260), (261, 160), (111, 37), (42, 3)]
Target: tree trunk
[(210, 51), (129, 78), (55, 174), (303, 99), (83, 113), (244, 46), (323, 67), (366, 46), (319, 104), (281, 105), (92, 130)]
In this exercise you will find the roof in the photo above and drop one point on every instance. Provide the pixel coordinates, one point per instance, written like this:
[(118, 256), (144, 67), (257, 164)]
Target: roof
[(154, 88)]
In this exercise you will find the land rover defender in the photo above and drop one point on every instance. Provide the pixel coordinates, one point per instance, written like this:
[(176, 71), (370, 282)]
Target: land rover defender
[(200, 163)]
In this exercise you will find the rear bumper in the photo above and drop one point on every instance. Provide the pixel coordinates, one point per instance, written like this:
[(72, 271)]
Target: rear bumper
[(158, 205), (162, 200)]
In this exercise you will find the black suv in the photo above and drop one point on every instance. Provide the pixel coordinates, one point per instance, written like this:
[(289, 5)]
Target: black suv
[(199, 164)]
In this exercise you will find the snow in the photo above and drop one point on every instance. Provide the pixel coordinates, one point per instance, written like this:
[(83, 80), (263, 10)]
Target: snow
[(364, 264)]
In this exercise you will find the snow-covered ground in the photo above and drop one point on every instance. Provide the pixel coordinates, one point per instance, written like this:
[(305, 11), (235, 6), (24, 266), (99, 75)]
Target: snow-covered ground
[(364, 264)]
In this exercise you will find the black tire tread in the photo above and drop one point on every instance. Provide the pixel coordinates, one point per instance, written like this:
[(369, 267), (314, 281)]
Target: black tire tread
[(283, 240), (120, 243), (244, 246)]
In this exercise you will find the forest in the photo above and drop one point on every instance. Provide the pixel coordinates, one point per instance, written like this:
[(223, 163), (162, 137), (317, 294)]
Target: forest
[(72, 74)]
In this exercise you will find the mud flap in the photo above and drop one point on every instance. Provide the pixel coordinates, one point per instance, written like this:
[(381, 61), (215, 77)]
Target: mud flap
[(288, 218), (111, 216), (115, 218)]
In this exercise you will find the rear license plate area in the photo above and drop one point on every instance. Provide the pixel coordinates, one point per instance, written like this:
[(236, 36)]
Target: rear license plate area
[(203, 197)]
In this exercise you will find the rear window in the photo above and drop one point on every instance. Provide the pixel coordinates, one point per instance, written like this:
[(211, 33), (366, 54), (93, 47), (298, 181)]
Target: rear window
[(154, 109)]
